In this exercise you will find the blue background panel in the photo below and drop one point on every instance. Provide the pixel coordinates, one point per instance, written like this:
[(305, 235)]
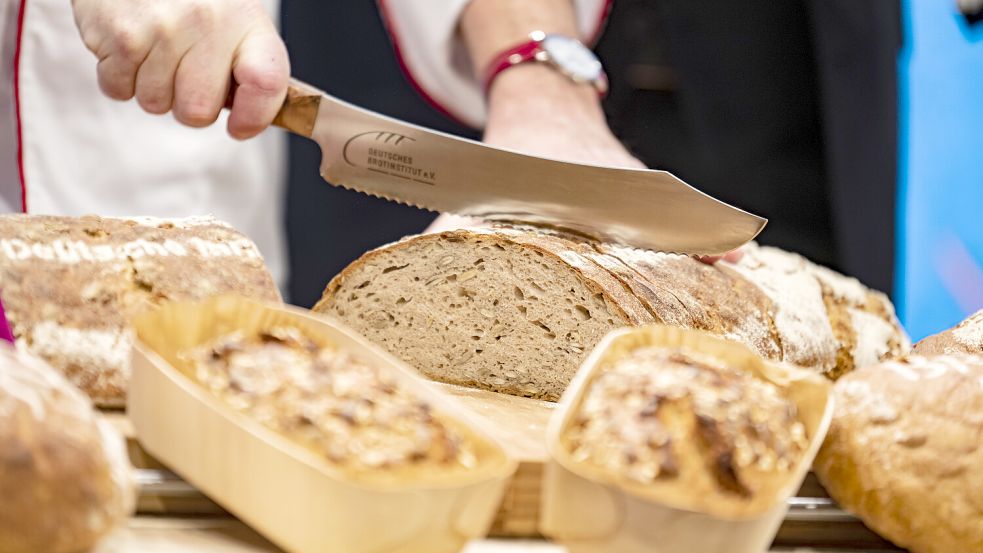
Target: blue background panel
[(941, 193)]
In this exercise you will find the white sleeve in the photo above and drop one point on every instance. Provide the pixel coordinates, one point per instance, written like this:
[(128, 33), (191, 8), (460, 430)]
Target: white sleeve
[(431, 52)]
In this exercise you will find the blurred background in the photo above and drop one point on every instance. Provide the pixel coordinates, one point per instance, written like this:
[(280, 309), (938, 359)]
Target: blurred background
[(855, 126)]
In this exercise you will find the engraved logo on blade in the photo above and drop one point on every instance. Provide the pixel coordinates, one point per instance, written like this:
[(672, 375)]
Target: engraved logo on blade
[(389, 154)]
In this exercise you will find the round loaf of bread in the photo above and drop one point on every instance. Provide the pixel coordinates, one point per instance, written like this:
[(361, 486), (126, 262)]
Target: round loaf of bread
[(65, 479), (966, 337), (905, 451)]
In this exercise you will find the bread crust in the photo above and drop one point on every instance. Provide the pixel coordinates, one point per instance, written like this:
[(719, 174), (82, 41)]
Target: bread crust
[(904, 451), (70, 284), (64, 475), (629, 307), (966, 337), (709, 298)]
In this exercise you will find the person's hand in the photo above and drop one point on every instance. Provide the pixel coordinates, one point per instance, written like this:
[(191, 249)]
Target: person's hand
[(190, 57), (730, 257)]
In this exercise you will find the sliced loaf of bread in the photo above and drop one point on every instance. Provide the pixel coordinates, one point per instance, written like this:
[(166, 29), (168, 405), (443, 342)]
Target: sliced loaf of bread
[(516, 310)]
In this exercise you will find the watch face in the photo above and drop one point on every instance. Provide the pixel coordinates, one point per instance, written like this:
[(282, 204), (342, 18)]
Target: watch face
[(572, 57)]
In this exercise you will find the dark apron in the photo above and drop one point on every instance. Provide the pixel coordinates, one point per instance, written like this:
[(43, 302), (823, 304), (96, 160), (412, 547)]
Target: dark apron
[(785, 108)]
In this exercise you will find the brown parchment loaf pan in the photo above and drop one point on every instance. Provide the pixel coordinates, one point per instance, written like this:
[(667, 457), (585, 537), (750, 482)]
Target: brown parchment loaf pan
[(287, 492), (592, 511)]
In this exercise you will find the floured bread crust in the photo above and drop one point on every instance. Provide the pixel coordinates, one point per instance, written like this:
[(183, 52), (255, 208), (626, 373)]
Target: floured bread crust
[(688, 427), (65, 479), (353, 414), (825, 320), (905, 453), (966, 337), (70, 284)]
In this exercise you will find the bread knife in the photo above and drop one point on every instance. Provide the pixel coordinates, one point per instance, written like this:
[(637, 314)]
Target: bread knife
[(384, 157)]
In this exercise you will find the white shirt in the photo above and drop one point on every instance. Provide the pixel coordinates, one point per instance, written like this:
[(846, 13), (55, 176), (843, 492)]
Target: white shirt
[(434, 58), (81, 152)]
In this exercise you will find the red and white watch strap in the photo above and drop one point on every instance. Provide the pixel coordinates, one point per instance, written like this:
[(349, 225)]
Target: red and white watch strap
[(520, 53), (530, 50)]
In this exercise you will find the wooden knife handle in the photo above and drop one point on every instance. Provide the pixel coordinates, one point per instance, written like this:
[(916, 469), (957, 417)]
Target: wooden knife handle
[(299, 111)]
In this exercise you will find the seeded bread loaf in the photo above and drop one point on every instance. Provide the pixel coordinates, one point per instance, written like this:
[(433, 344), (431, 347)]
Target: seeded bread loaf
[(904, 451), (353, 414), (966, 337), (515, 310), (64, 476), (70, 284), (689, 428)]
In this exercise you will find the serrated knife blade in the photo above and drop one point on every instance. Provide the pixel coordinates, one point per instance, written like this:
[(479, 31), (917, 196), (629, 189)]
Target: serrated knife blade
[(398, 161)]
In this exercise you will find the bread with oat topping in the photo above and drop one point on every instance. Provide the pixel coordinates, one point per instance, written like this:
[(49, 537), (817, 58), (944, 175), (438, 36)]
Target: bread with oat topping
[(355, 415), (70, 284), (689, 427)]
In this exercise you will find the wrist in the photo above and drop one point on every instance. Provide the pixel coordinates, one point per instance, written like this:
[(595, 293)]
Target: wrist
[(490, 26), (538, 90)]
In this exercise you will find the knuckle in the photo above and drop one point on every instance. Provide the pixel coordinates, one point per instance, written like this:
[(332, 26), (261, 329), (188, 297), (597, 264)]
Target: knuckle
[(126, 45), (201, 14), (266, 80), (163, 30)]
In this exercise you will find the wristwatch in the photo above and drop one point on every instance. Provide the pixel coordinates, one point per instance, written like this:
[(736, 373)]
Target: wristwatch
[(565, 54)]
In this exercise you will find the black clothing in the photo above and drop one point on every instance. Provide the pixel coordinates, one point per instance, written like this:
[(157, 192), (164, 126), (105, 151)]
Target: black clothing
[(787, 109)]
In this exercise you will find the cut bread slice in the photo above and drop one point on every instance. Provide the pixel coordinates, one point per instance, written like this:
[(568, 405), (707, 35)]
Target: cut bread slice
[(506, 311), (516, 310)]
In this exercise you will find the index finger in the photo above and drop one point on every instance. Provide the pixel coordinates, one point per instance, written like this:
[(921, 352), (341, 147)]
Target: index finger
[(730, 257)]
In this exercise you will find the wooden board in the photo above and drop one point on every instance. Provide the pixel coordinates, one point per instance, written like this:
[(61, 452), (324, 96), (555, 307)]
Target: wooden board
[(226, 535), (520, 424)]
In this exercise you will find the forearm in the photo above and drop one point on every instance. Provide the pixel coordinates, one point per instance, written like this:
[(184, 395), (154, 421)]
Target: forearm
[(491, 26)]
